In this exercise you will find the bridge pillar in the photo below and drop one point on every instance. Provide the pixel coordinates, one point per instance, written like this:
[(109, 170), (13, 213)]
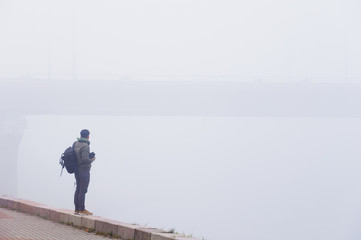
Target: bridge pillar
[(11, 133)]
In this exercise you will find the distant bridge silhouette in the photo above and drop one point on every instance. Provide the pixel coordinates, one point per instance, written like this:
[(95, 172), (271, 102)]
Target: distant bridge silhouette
[(172, 98)]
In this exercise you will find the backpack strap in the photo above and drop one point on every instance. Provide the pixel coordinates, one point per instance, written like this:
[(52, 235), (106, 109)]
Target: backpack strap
[(76, 159), (62, 165)]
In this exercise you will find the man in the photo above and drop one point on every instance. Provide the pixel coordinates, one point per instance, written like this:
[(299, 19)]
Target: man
[(82, 174)]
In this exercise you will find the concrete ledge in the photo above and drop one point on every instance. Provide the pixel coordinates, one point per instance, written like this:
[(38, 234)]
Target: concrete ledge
[(99, 224), (75, 220), (42, 211), (107, 226), (163, 236), (3, 202), (127, 231), (27, 207), (169, 236), (145, 233), (64, 215), (12, 204), (9, 202), (88, 222), (59, 215)]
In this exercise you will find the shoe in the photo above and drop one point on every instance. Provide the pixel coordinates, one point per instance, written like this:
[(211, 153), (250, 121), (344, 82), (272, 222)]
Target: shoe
[(85, 212), (76, 212)]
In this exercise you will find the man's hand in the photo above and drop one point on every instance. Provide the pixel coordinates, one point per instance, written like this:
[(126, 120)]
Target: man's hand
[(92, 156)]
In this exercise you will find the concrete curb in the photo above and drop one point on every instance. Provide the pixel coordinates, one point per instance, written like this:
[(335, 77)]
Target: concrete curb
[(101, 225), (145, 233)]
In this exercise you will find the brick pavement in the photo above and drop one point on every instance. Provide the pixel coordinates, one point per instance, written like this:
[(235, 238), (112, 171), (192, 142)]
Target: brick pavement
[(21, 226)]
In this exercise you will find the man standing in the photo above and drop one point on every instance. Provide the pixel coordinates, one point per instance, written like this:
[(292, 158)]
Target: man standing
[(82, 174)]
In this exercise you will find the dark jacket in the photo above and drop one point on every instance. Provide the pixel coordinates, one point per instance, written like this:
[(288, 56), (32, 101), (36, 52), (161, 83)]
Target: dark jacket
[(82, 150)]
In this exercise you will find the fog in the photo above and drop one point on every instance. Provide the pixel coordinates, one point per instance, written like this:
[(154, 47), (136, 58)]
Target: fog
[(98, 39), (221, 119)]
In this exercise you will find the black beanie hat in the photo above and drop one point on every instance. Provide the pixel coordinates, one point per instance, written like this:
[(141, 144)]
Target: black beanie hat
[(84, 133)]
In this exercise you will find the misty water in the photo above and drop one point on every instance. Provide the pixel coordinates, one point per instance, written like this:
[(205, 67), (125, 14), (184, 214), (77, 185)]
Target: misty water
[(212, 177)]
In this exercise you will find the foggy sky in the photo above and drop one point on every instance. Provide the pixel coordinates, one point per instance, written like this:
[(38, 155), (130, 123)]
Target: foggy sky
[(286, 40)]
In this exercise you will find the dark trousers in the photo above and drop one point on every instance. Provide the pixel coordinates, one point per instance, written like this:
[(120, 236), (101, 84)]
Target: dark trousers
[(82, 182)]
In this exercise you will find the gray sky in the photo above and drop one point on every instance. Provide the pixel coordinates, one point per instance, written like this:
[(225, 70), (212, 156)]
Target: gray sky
[(290, 40)]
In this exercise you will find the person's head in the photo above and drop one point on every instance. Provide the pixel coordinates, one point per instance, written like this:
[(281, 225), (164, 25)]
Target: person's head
[(84, 133)]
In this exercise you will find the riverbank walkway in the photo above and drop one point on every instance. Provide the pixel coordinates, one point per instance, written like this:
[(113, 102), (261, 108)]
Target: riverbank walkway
[(22, 226), (27, 220)]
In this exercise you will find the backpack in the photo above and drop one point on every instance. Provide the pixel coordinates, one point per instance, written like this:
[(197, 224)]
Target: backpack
[(68, 160)]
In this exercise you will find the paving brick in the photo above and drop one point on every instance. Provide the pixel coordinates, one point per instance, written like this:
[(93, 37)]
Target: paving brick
[(18, 226), (145, 233), (4, 215)]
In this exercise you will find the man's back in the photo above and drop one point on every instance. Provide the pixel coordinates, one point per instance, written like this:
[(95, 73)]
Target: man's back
[(82, 151)]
